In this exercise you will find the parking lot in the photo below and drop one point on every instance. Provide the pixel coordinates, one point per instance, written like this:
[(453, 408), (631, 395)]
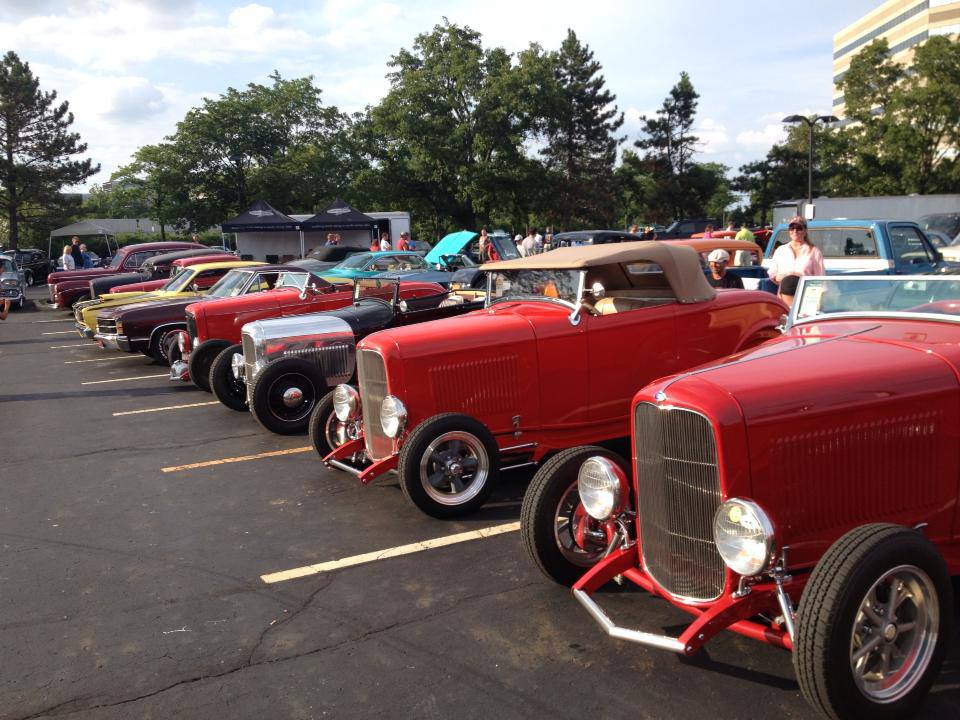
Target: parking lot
[(163, 556)]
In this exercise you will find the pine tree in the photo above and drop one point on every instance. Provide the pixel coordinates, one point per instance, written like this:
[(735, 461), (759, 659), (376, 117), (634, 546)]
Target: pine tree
[(35, 146), (581, 145)]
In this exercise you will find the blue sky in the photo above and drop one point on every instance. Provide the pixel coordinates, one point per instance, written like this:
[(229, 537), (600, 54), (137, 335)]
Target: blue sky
[(132, 68)]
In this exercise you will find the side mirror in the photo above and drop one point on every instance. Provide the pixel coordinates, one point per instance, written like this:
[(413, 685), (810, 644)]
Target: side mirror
[(598, 291)]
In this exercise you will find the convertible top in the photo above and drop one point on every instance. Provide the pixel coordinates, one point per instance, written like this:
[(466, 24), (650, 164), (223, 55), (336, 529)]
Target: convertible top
[(681, 265)]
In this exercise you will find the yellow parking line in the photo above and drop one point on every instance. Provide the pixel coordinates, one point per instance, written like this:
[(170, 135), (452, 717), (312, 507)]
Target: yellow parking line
[(105, 359), (389, 553), (239, 458), (168, 407), (135, 377), (61, 332), (57, 347)]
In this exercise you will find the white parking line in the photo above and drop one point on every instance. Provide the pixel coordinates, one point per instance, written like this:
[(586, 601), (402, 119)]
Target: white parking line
[(416, 547), (168, 407), (61, 332), (239, 458), (57, 347), (106, 359), (66, 319), (135, 377)]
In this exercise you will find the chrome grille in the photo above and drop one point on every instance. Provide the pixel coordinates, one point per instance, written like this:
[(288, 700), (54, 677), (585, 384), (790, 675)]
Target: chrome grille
[(372, 381), (331, 359), (679, 492), (106, 326), (192, 328)]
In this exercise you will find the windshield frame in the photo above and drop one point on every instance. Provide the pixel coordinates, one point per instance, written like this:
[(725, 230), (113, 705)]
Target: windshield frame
[(793, 319), (380, 282), (572, 306), (177, 283), (243, 273)]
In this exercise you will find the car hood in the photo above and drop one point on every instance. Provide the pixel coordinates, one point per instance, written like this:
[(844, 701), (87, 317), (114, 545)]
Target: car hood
[(450, 245), (9, 276), (64, 275), (231, 305), (440, 277), (831, 367), (126, 309)]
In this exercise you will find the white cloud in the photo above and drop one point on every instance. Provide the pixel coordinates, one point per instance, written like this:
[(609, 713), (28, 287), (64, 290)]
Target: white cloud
[(714, 138), (762, 139)]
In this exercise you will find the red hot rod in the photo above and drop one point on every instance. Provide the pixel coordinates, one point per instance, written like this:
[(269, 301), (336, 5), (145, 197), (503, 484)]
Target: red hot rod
[(552, 361), (803, 493)]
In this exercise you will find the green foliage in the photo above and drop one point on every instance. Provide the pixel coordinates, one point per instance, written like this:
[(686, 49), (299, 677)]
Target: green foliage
[(36, 148)]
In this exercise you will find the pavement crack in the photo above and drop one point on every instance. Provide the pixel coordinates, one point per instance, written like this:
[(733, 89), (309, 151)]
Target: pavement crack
[(290, 616)]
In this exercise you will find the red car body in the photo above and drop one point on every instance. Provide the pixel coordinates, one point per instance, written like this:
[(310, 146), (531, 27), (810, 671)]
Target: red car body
[(536, 378), (68, 286), (177, 265), (844, 433)]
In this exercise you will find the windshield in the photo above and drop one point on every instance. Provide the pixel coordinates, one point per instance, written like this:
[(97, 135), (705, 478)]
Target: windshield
[(536, 284), (6, 265), (838, 242), (374, 288), (296, 280), (906, 294), (230, 285), (177, 272), (947, 223), (180, 281), (356, 260), (116, 260)]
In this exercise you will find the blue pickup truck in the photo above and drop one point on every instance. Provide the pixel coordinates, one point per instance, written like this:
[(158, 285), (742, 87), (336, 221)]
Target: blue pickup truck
[(866, 247)]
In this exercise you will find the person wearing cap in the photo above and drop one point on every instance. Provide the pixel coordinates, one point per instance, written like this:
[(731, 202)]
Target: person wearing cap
[(718, 277), (745, 233), (794, 260), (518, 241), (404, 242)]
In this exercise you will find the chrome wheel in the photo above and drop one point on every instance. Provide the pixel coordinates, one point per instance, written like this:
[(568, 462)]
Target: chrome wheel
[(291, 397), (334, 431), (894, 634), (454, 468), (580, 539)]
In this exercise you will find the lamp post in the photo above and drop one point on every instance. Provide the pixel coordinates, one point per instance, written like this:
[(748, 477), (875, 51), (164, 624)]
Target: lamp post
[(826, 120)]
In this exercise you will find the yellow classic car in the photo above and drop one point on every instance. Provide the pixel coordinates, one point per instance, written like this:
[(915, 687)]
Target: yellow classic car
[(191, 281)]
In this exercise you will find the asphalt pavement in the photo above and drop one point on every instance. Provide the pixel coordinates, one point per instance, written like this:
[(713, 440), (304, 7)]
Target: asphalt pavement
[(139, 518)]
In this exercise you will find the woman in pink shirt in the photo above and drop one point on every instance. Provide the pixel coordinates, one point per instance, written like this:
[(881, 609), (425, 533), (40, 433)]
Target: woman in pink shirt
[(794, 259)]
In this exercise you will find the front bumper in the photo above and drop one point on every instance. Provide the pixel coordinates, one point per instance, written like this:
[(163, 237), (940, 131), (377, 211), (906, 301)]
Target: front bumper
[(114, 342), (341, 459), (726, 613), (85, 332), (14, 295)]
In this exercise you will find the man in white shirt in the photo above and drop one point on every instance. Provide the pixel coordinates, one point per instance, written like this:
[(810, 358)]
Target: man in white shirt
[(537, 241), (384, 242), (529, 245), (518, 241)]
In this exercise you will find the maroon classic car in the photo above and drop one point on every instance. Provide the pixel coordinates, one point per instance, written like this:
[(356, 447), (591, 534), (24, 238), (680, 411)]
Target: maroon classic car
[(566, 338), (803, 494), (66, 287)]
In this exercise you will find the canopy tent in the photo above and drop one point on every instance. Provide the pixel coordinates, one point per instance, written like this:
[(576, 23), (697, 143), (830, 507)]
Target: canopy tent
[(106, 228), (339, 216), (260, 217)]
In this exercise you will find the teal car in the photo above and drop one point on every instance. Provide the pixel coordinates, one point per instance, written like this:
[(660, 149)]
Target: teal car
[(368, 264)]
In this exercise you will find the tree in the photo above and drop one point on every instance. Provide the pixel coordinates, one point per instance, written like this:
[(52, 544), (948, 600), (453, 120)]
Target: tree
[(36, 148), (152, 186), (669, 146), (581, 137)]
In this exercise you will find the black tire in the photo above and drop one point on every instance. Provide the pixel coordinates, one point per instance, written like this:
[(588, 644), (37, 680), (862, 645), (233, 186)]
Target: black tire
[(28, 278), (267, 396), (417, 458), (225, 386), (831, 619), (159, 349), (554, 550), (171, 348), (319, 429), (202, 358)]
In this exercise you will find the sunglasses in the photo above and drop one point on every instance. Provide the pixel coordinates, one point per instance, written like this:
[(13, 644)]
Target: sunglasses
[(796, 226)]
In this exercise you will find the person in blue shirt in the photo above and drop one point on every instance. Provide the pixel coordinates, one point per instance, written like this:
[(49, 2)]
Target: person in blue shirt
[(87, 259)]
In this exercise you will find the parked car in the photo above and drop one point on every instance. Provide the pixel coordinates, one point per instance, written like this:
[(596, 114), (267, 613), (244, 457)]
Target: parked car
[(289, 365), (328, 256), (192, 282), (865, 246), (153, 328), (68, 287), (566, 338), (445, 258), (949, 248), (685, 228), (369, 264), (575, 238), (13, 284), (746, 261), (470, 276), (34, 263), (175, 268), (820, 516), (946, 223)]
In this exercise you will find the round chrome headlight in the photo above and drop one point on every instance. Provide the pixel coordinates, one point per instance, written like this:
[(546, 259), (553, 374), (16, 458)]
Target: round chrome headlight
[(393, 416), (346, 403), (600, 483), (182, 341), (744, 536)]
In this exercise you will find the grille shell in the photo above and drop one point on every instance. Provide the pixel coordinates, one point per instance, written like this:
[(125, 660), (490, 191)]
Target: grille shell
[(678, 482), (106, 326), (372, 381)]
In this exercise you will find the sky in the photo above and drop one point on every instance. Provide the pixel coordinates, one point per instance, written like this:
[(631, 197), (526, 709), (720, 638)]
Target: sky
[(131, 69)]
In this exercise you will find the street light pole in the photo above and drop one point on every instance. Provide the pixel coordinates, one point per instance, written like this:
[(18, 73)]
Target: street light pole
[(826, 120)]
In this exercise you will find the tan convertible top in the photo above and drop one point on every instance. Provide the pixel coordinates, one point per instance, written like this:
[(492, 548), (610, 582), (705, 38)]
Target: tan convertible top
[(681, 264)]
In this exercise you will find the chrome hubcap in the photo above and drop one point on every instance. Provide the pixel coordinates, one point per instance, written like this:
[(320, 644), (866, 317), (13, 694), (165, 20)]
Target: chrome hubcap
[(894, 634), (292, 397), (454, 468)]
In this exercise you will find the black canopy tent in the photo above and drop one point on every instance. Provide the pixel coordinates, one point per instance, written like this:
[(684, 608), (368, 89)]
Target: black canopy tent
[(338, 215), (262, 217)]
